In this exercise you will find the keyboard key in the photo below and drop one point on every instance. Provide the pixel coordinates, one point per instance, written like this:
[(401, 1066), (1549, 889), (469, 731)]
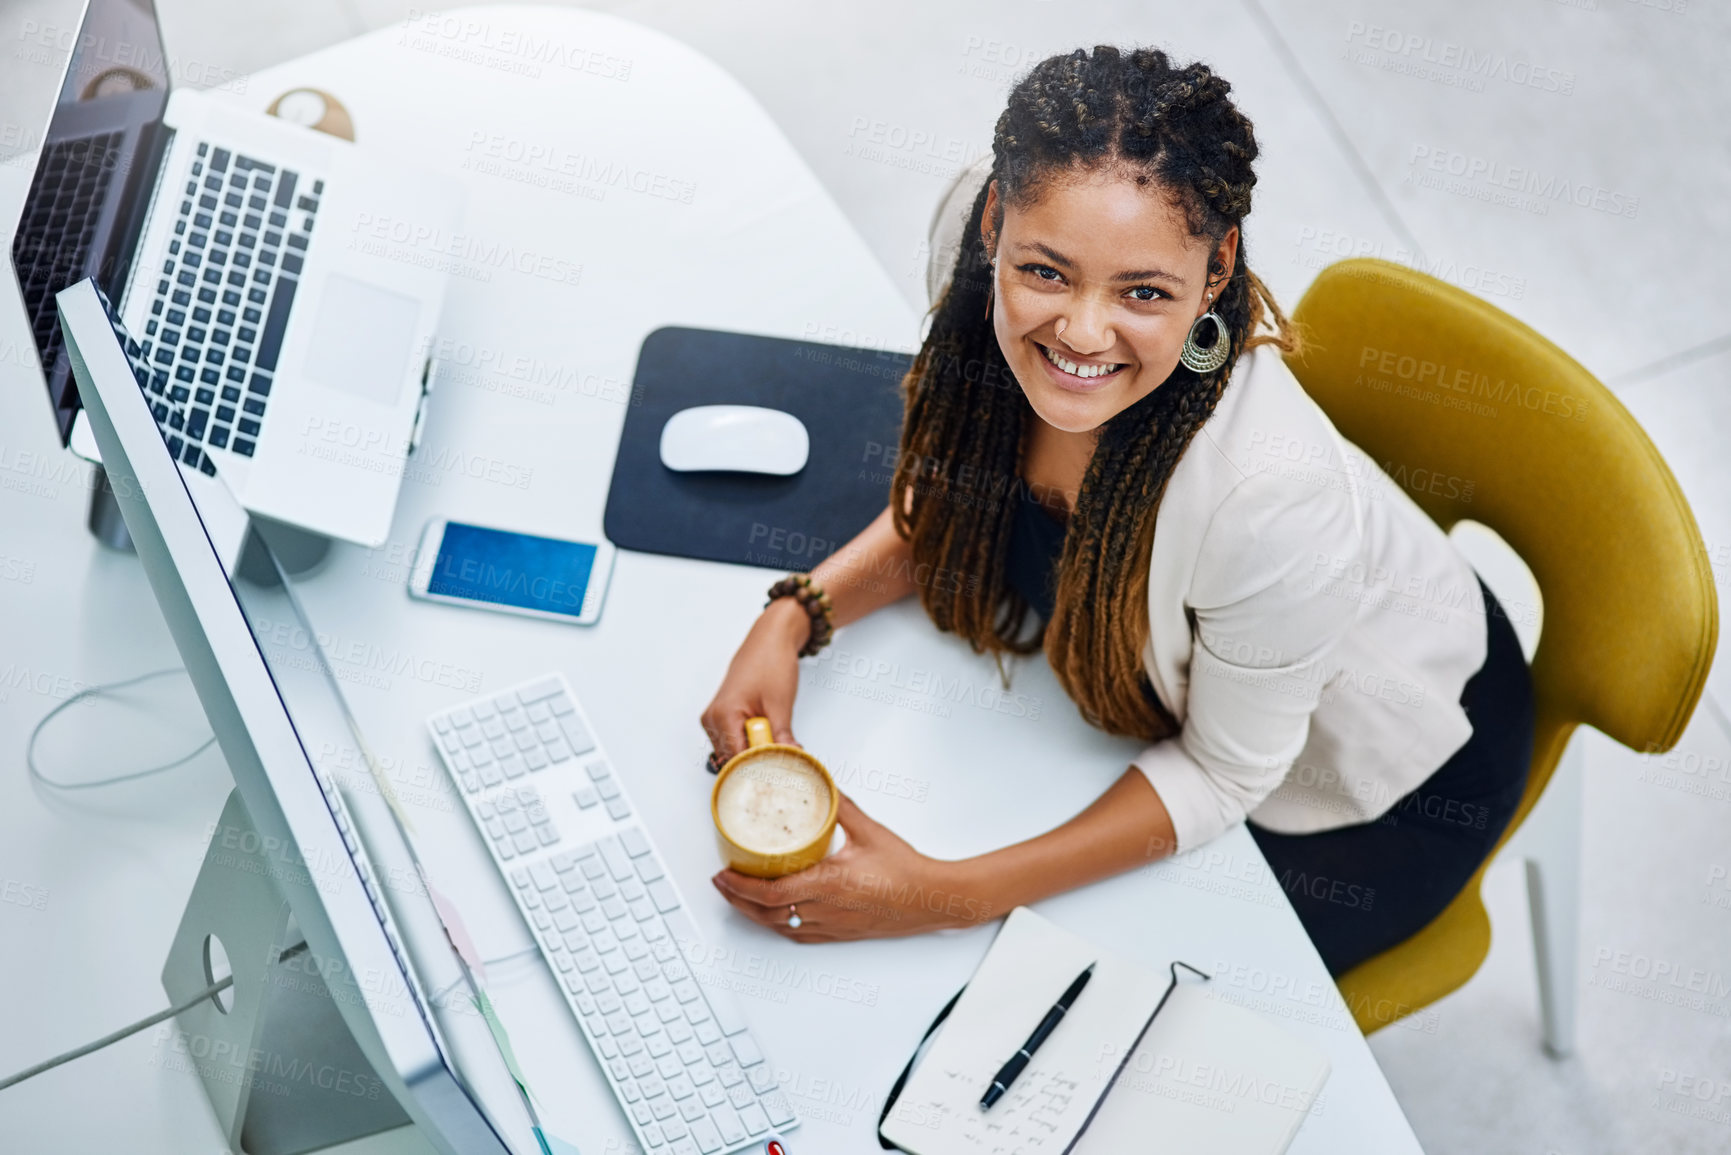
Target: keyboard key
[(727, 1122), (618, 809), (728, 1016), (270, 342), (745, 1049), (618, 862), (576, 734), (707, 1137), (535, 691), (753, 1118), (587, 798), (776, 1107)]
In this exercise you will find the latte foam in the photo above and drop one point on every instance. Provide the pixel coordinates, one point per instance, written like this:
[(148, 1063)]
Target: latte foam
[(775, 803)]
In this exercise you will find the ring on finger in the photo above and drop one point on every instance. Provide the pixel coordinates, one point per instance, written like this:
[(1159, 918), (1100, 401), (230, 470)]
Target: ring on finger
[(793, 918)]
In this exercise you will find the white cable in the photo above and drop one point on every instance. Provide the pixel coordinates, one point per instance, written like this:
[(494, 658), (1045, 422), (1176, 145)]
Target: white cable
[(97, 692), (209, 992)]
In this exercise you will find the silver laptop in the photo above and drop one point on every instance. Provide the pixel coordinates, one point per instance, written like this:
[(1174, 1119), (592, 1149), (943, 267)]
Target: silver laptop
[(267, 270)]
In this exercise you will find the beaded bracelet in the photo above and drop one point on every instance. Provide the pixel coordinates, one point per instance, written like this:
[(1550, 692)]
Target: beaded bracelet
[(810, 595)]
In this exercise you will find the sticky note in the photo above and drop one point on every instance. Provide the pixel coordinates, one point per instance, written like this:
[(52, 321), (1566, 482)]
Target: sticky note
[(485, 1006), (551, 1144), (455, 930)]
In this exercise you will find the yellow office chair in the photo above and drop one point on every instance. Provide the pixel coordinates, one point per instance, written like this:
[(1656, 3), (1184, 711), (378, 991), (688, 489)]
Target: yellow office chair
[(1433, 383)]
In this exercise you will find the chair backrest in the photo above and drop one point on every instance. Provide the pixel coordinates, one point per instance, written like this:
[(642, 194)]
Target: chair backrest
[(1479, 417)]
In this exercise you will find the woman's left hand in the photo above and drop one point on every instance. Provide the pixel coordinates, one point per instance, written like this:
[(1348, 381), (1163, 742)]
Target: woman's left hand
[(876, 886)]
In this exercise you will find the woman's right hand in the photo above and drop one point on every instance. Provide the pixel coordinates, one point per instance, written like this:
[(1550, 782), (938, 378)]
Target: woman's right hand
[(761, 680)]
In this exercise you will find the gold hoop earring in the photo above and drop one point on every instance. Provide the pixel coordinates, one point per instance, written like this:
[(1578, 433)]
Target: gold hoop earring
[(991, 282)]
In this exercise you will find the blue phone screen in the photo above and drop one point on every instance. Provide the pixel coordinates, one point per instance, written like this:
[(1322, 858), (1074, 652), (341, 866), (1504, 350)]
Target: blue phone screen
[(512, 569)]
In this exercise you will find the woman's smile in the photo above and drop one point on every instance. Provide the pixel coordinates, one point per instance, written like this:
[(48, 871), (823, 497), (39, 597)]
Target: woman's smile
[(1078, 374)]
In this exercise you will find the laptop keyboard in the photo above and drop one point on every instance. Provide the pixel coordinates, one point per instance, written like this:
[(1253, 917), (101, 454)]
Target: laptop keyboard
[(222, 301), (53, 242)]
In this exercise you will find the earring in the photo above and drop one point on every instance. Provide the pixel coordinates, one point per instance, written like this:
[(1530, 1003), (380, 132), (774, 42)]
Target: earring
[(1206, 359), (991, 281)]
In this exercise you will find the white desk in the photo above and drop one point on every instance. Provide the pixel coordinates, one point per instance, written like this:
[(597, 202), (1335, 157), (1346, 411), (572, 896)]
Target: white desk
[(757, 246)]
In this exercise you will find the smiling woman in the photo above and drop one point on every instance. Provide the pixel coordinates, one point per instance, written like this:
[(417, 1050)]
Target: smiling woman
[(1099, 433)]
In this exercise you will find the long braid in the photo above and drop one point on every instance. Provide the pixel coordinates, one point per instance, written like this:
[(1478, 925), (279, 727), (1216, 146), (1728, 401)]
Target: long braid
[(955, 490)]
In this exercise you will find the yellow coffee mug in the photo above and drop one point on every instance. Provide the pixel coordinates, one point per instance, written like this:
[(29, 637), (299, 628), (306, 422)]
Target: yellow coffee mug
[(760, 740)]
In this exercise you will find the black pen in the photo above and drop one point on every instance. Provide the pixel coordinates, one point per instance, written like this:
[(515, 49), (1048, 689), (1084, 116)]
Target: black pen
[(1002, 1080)]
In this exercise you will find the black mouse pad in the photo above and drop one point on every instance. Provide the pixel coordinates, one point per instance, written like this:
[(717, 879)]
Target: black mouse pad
[(850, 402)]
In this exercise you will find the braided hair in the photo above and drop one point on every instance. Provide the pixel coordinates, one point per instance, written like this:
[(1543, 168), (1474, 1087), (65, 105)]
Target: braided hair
[(953, 494)]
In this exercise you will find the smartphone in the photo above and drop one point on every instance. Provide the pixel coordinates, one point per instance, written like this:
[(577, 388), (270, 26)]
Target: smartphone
[(515, 573)]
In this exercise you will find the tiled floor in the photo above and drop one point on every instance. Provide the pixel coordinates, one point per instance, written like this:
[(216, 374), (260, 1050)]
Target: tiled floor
[(1427, 133)]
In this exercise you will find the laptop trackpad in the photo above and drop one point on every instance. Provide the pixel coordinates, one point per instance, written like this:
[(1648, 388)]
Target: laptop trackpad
[(362, 339)]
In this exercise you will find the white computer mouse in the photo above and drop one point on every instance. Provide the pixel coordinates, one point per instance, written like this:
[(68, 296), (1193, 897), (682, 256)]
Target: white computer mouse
[(735, 439)]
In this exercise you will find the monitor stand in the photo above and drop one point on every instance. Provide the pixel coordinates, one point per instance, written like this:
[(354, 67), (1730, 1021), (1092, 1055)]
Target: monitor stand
[(106, 524), (282, 1071)]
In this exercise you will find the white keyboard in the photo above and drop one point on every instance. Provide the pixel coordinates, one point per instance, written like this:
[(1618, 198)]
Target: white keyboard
[(609, 921)]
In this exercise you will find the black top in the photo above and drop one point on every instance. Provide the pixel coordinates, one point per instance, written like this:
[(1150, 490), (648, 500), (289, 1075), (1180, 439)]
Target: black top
[(1036, 544)]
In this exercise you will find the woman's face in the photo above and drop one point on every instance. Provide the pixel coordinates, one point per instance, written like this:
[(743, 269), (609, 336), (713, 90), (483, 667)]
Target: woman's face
[(1096, 287)]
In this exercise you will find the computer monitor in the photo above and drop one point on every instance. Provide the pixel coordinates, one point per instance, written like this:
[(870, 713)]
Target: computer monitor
[(275, 713), (103, 141)]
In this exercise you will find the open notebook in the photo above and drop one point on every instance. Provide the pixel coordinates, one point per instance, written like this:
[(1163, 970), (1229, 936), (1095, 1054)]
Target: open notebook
[(1201, 1075)]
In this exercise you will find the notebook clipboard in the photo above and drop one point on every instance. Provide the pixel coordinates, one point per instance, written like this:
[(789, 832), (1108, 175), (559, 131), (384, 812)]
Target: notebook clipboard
[(1135, 1054), (938, 1021)]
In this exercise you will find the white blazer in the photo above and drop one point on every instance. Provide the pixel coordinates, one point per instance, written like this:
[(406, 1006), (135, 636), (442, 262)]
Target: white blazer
[(1310, 626)]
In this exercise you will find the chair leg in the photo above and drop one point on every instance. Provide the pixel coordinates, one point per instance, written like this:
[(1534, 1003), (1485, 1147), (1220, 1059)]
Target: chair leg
[(1552, 848)]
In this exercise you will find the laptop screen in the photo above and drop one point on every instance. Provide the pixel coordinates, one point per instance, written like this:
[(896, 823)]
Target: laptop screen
[(97, 162)]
